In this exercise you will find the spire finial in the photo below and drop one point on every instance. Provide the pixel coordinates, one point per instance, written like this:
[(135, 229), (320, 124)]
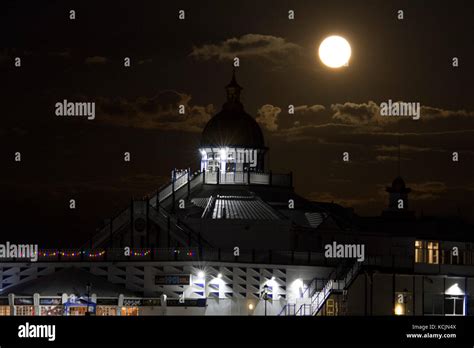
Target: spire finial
[(233, 75), (233, 89)]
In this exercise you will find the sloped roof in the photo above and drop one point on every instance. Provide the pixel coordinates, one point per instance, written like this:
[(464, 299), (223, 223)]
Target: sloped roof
[(241, 207)]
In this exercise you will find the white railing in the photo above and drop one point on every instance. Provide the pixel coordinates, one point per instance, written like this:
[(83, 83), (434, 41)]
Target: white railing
[(164, 193), (248, 178), (318, 298), (260, 178)]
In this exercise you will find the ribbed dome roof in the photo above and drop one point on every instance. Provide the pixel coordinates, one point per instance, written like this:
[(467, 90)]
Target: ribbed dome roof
[(232, 126)]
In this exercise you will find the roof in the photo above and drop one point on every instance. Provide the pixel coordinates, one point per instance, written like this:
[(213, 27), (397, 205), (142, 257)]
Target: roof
[(241, 207), (232, 126), (69, 280)]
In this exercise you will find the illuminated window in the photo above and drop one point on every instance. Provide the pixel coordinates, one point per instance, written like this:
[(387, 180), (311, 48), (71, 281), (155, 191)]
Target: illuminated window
[(419, 254), (52, 310), (433, 252), (25, 310), (4, 310), (426, 252), (129, 311), (401, 299), (79, 310), (330, 307), (106, 310)]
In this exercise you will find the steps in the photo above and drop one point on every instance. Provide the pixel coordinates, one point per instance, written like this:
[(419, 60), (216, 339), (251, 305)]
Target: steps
[(157, 202), (340, 279)]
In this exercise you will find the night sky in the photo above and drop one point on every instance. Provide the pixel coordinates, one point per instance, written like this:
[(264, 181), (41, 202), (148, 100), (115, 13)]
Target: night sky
[(189, 62)]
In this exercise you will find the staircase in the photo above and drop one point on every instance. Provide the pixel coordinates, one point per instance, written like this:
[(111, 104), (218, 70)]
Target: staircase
[(180, 232), (158, 213), (340, 279)]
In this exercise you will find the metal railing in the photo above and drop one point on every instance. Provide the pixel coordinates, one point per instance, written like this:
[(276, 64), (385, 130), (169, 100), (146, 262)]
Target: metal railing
[(248, 178), (277, 257), (320, 295)]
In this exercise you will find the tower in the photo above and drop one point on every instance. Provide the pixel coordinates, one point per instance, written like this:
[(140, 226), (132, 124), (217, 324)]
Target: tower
[(398, 199), (232, 142)]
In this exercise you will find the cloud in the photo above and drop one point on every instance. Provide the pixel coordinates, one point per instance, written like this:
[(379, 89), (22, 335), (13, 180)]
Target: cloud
[(63, 53), (311, 132), (359, 114), (249, 45), (344, 201), (267, 116), (158, 112), (145, 61), (96, 60), (383, 158), (369, 113), (429, 190), (305, 109), (431, 112)]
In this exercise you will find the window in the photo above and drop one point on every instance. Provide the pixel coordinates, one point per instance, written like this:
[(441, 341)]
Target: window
[(403, 301), (77, 311), (106, 310), (129, 311), (25, 310), (433, 304), (426, 252), (330, 307), (433, 252), (419, 251), (52, 310), (4, 310), (454, 305)]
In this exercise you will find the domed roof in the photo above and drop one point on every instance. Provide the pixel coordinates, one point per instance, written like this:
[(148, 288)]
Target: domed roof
[(232, 126), (398, 185)]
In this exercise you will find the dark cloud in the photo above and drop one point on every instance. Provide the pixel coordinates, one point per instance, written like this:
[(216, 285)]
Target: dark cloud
[(249, 45), (96, 60), (145, 61), (338, 199), (158, 112)]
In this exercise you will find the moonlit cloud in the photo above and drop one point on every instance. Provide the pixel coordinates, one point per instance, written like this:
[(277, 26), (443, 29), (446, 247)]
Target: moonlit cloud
[(267, 116), (249, 45)]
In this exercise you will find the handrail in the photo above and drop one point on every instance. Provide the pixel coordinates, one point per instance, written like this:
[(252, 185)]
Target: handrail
[(208, 207), (326, 291), (283, 310)]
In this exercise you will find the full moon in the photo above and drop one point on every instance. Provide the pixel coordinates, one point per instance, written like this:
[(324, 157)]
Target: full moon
[(335, 52)]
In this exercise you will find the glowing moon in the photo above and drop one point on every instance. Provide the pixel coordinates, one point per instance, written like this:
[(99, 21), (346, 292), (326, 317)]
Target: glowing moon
[(335, 51)]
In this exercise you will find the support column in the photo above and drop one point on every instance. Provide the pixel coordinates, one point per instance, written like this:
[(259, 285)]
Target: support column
[(393, 294), (147, 224), (413, 298), (111, 233), (131, 224), (423, 295), (189, 182), (173, 179)]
